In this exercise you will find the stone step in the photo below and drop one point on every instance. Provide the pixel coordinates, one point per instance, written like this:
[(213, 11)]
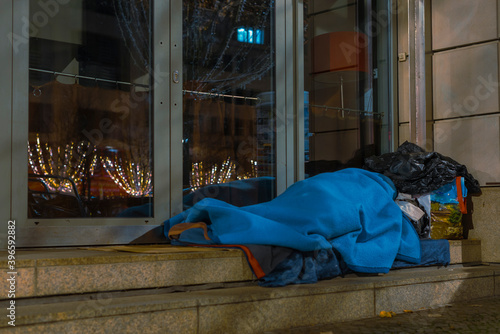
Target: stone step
[(66, 271), (236, 308)]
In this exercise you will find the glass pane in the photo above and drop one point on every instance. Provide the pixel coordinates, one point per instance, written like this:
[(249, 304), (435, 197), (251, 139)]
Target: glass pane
[(229, 109), (347, 115), (90, 135)]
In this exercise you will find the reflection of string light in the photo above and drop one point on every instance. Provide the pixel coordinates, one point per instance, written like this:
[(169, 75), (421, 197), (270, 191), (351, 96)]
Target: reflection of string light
[(135, 179), (68, 162), (214, 175), (251, 174)]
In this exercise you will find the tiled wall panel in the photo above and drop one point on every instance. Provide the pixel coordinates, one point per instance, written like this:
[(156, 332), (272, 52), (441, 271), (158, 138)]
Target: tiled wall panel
[(474, 142), (465, 81), (460, 22)]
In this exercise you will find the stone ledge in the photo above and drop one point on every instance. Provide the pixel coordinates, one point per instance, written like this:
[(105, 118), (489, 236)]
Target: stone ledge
[(253, 309), (106, 255)]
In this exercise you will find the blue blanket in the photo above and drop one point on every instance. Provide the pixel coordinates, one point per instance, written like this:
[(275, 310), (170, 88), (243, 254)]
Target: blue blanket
[(351, 211)]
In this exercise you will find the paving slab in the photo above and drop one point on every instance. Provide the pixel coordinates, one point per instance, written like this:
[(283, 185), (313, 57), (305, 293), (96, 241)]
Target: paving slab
[(467, 317)]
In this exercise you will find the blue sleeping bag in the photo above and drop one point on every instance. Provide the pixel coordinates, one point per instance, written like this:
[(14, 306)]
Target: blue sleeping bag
[(352, 211)]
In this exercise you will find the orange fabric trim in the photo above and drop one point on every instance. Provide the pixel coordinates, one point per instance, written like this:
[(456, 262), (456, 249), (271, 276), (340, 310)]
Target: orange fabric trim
[(252, 261), (176, 230), (462, 202), (256, 268)]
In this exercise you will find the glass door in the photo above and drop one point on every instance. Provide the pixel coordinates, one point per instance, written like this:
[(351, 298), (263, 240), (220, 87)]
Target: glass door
[(229, 109), (348, 80), (87, 120)]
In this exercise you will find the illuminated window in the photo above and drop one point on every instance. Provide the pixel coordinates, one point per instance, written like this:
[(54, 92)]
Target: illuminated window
[(250, 35)]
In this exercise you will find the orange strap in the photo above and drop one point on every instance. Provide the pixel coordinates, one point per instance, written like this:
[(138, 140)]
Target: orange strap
[(462, 202), (176, 230), (252, 261)]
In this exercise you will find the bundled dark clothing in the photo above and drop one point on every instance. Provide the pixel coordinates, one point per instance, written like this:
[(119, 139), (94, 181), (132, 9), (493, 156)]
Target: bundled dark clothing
[(415, 171)]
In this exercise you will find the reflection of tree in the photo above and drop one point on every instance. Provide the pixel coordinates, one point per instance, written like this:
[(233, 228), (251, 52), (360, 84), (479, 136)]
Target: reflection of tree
[(66, 163), (135, 178), (214, 174), (213, 56), (135, 27), (132, 167), (56, 146), (53, 114)]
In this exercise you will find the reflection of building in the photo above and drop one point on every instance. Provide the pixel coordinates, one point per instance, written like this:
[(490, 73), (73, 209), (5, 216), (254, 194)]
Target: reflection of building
[(337, 79), (266, 129), (306, 126), (219, 129)]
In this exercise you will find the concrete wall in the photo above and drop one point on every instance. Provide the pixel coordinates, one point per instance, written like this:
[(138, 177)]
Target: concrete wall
[(485, 224), (466, 108)]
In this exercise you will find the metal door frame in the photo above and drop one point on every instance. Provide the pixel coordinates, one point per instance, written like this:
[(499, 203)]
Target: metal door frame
[(412, 69)]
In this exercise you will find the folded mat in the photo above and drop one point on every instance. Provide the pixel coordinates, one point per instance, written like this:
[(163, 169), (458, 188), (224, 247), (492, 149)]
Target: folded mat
[(351, 211)]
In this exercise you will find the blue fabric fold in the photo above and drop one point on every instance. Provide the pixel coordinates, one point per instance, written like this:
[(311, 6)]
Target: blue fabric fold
[(352, 211), (310, 267), (304, 268), (432, 252)]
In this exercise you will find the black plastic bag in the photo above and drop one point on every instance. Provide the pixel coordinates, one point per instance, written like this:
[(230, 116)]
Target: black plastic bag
[(415, 171)]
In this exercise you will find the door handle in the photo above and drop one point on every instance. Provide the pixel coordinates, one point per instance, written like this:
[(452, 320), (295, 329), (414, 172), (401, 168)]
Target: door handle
[(175, 76)]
